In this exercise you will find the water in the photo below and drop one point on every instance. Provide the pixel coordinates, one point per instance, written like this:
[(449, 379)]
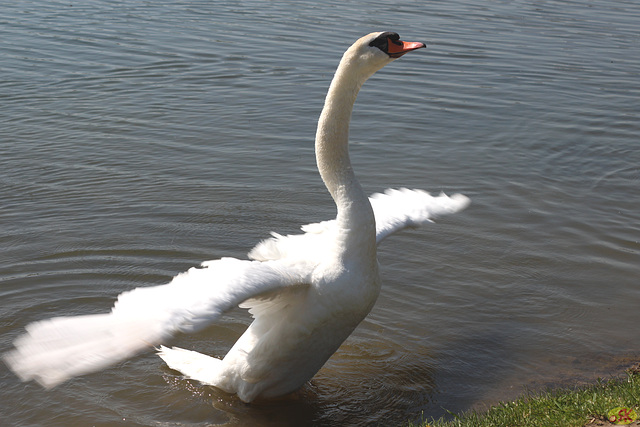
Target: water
[(138, 139)]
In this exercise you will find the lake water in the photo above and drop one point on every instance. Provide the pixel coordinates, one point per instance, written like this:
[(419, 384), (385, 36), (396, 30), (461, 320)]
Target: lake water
[(138, 139)]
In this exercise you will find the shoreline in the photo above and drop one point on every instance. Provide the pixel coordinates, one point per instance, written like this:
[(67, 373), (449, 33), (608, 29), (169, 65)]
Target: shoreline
[(571, 405)]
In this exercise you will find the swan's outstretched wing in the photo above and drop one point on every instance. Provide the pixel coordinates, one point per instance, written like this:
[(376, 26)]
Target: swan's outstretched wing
[(394, 210), (403, 208), (52, 351)]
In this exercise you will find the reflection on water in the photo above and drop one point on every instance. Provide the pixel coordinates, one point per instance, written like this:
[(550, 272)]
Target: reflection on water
[(139, 139)]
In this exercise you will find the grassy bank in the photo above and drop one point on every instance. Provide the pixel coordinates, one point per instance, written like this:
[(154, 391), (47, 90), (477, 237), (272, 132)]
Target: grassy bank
[(568, 407)]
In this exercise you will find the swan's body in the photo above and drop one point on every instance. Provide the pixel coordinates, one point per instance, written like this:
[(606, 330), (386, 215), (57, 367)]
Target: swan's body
[(306, 292)]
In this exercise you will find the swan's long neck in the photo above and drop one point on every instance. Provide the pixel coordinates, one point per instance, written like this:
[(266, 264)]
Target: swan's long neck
[(355, 215)]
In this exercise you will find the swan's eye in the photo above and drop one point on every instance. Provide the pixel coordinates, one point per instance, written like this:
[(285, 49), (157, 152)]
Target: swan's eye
[(382, 41)]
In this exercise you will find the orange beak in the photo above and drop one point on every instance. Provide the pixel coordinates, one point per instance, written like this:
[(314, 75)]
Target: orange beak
[(397, 48)]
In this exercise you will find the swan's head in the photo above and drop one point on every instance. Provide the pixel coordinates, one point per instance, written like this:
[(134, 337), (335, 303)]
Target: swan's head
[(376, 50)]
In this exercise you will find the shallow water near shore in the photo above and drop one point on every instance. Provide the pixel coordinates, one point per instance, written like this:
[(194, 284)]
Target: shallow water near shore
[(138, 139)]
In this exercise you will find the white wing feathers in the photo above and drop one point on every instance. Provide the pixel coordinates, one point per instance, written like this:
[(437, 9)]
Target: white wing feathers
[(54, 350), (394, 210), (193, 299), (403, 208)]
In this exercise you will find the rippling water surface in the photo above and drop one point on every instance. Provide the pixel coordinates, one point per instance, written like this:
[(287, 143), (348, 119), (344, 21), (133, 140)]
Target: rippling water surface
[(138, 139)]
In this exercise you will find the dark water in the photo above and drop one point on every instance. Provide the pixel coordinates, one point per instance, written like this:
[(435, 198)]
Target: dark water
[(138, 139)]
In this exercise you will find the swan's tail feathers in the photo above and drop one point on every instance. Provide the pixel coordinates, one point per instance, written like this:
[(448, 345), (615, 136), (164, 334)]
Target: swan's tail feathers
[(192, 364), (55, 350), (403, 208)]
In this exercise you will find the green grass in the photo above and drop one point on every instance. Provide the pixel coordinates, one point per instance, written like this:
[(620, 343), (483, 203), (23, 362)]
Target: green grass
[(567, 407)]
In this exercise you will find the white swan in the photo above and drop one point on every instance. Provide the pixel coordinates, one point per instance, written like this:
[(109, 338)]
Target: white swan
[(306, 292)]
